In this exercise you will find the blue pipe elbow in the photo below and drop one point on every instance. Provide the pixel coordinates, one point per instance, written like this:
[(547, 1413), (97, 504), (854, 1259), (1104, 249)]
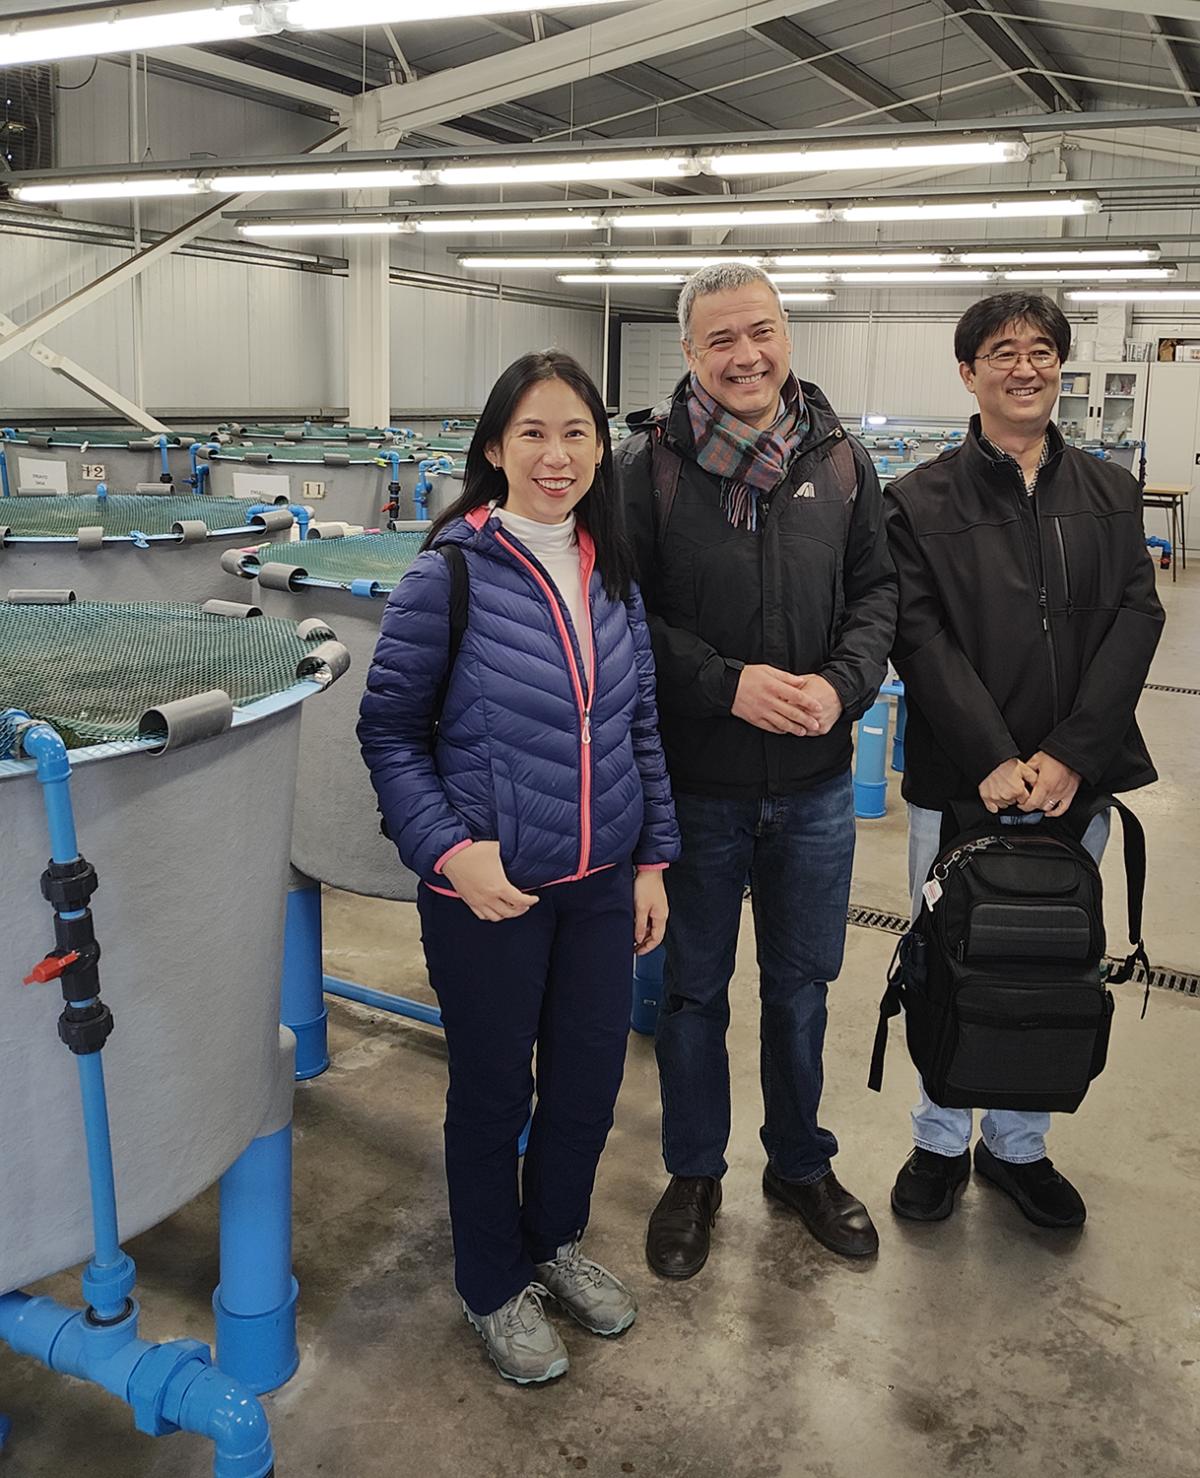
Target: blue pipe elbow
[(202, 1399)]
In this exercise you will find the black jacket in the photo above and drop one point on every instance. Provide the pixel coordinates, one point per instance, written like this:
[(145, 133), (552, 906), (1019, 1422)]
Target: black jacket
[(813, 590), (1026, 623)]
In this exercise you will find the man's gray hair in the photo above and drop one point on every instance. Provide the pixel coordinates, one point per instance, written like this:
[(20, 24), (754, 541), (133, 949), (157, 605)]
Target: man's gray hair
[(720, 277)]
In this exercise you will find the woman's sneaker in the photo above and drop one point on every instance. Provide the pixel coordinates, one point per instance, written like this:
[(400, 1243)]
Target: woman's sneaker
[(524, 1346), (588, 1292)]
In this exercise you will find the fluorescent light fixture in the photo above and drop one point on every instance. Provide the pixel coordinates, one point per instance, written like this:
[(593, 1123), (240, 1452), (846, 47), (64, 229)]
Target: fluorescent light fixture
[(645, 279), (128, 30), (1135, 295), (1015, 258), (571, 171), (861, 259), (449, 224), (944, 275), (806, 297), (897, 156), (875, 420), (1091, 274), (972, 210), (743, 215), (688, 264), (791, 277), (337, 15), (324, 228), (319, 179), (106, 189), (531, 264)]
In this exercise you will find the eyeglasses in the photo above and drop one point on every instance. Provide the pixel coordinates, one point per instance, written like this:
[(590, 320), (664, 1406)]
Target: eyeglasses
[(1008, 359)]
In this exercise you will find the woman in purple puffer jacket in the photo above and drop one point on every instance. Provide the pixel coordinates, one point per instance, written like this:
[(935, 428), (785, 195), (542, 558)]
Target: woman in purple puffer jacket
[(538, 814)]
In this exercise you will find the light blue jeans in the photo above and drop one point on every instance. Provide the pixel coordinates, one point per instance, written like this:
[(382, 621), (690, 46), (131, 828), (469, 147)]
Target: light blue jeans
[(1011, 1135)]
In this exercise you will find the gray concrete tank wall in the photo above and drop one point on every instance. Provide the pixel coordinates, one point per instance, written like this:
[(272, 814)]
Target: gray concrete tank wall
[(191, 848), (354, 493)]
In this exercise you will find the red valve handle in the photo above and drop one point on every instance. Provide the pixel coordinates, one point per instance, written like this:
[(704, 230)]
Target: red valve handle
[(51, 968)]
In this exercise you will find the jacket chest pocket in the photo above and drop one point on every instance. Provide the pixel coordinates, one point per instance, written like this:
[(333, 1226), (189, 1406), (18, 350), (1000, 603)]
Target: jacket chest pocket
[(1089, 559)]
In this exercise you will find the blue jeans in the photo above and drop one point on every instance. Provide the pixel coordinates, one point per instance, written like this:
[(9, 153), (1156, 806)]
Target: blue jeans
[(798, 851), (1010, 1134)]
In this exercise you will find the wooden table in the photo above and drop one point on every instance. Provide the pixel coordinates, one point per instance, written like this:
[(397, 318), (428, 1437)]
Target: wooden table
[(1171, 496)]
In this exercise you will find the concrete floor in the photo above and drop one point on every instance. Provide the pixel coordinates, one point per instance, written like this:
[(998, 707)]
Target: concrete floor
[(980, 1346)]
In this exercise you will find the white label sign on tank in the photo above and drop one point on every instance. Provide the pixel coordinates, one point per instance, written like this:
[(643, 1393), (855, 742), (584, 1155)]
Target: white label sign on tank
[(262, 487), (34, 472)]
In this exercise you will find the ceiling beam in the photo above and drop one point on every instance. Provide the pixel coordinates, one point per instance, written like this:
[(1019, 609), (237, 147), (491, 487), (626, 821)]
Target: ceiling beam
[(1179, 10), (1176, 59), (785, 36), (656, 29), (212, 64), (1031, 46), (1003, 46)]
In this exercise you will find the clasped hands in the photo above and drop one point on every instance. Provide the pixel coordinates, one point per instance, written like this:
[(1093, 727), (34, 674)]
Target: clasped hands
[(784, 703), (477, 875), (1040, 783)]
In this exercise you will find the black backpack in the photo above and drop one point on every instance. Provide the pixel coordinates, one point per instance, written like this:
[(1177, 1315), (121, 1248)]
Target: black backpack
[(1002, 978)]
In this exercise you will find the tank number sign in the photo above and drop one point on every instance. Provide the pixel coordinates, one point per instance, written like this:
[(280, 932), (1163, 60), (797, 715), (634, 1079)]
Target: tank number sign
[(314, 490), (92, 472)]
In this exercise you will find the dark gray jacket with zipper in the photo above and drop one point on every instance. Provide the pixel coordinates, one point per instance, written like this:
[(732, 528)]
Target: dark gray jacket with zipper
[(813, 590), (1026, 623)]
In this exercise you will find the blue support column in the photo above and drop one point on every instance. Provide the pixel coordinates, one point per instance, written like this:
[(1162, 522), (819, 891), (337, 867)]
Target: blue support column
[(647, 990), (870, 760), (302, 1003), (255, 1302)]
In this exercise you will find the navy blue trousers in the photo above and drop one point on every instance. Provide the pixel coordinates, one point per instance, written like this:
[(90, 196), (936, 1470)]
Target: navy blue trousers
[(558, 976)]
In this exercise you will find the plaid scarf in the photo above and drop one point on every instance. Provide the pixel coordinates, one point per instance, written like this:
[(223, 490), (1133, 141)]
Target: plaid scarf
[(749, 462)]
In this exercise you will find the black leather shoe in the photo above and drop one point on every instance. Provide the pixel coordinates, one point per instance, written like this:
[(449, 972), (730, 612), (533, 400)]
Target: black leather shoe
[(927, 1183), (1045, 1197), (836, 1219), (680, 1227)]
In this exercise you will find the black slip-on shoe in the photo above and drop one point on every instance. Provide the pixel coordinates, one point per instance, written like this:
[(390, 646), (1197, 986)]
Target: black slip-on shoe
[(1045, 1197), (928, 1183)]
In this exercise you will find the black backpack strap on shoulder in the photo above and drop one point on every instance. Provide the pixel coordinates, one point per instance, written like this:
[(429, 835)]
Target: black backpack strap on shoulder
[(845, 469), (1135, 886), (460, 594), (665, 469), (891, 1004)]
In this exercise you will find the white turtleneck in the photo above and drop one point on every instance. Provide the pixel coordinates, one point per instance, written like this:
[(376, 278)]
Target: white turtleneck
[(553, 546)]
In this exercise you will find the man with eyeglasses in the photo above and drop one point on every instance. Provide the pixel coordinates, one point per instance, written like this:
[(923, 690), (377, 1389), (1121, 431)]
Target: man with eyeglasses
[(1028, 618)]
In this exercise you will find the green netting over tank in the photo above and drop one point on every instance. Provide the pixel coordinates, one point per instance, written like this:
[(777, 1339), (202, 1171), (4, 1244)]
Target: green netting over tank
[(120, 514), (92, 669), (381, 558)]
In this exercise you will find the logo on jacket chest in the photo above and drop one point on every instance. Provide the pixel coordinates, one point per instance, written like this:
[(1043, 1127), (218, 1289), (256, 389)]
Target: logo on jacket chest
[(805, 490)]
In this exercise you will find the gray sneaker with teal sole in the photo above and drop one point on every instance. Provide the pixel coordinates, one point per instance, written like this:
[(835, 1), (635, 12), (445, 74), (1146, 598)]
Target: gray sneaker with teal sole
[(588, 1292), (523, 1344)]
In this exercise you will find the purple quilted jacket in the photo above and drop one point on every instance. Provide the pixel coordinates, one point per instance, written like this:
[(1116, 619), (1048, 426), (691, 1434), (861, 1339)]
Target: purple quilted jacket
[(562, 767)]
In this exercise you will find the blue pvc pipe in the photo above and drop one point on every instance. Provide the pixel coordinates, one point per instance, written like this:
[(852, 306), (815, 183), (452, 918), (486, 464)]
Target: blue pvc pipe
[(42, 744), (301, 1004), (424, 486), (169, 1387), (255, 1302), (383, 1000), (870, 759), (6, 492), (166, 466)]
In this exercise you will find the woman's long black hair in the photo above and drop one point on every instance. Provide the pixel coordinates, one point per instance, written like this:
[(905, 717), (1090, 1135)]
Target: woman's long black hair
[(598, 511)]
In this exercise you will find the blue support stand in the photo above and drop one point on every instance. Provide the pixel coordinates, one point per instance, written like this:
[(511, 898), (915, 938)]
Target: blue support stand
[(302, 1004), (870, 753), (647, 990), (255, 1302)]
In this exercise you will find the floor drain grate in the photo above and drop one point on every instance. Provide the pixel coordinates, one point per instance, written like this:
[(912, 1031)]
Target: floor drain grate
[(1165, 688), (1181, 981)]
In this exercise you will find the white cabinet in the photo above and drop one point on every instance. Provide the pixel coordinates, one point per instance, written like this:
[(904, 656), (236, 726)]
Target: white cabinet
[(1173, 424), (1102, 402)]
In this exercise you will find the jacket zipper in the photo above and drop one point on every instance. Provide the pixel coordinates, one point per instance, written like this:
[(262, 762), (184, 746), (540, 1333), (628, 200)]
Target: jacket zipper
[(1037, 559), (582, 700), (1062, 549)]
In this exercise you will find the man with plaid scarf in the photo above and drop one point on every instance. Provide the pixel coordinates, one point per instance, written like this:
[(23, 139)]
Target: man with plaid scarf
[(758, 530)]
